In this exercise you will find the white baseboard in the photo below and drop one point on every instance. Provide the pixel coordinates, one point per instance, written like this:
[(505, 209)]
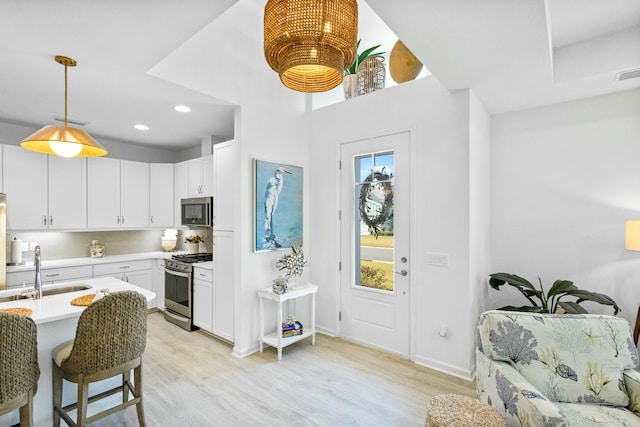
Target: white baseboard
[(455, 371)]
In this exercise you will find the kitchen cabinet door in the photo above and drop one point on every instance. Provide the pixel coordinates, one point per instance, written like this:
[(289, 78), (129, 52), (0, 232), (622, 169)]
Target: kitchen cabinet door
[(158, 285), (225, 181), (161, 194), (25, 184), (103, 192), (134, 194), (202, 308), (180, 189), (201, 176), (142, 278), (207, 175), (67, 193), (224, 285)]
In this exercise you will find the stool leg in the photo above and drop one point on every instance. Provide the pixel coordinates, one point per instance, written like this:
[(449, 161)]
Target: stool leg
[(57, 393), (83, 401), (126, 379), (26, 412), (137, 377)]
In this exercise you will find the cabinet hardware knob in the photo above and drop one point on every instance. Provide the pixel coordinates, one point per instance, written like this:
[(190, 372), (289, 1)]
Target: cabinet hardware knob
[(45, 220)]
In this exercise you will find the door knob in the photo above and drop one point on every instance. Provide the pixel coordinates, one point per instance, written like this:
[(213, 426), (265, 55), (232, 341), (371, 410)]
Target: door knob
[(402, 272)]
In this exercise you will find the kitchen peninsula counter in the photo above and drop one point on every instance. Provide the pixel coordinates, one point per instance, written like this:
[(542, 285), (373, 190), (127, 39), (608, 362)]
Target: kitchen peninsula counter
[(56, 320)]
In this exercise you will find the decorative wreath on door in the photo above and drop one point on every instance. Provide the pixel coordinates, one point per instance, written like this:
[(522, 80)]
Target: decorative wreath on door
[(376, 200)]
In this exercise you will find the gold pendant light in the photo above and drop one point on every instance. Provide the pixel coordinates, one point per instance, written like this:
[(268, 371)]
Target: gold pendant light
[(310, 43), (64, 141)]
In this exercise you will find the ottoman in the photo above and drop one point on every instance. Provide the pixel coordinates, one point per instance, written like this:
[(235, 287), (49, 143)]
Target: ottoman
[(454, 410)]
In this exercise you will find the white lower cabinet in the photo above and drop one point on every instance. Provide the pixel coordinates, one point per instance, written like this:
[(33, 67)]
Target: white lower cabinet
[(203, 298), (158, 284), (224, 282), (49, 275), (137, 273)]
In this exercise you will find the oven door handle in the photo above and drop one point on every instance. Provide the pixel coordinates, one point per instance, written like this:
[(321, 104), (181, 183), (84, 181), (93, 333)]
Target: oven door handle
[(175, 316), (177, 273)]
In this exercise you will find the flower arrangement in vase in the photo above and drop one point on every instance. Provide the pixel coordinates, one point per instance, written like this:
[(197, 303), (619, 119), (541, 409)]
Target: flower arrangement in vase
[(193, 241), (294, 262)]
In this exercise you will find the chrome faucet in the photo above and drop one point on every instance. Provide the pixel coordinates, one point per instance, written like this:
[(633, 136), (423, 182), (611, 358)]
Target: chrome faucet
[(38, 282)]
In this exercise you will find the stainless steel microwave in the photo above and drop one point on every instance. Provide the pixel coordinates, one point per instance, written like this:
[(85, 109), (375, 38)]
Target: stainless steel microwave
[(197, 211)]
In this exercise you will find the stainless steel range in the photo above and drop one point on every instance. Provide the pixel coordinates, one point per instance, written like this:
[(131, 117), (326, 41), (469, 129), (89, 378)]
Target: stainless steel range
[(178, 288)]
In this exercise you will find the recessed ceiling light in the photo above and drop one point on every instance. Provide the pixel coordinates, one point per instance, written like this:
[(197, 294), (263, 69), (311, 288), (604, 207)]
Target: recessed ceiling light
[(182, 108), (141, 127)]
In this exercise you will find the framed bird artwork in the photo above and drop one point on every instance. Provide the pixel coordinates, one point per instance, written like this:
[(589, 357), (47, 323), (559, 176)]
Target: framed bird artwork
[(277, 205)]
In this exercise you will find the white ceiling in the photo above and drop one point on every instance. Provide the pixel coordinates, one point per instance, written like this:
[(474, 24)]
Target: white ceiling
[(513, 54)]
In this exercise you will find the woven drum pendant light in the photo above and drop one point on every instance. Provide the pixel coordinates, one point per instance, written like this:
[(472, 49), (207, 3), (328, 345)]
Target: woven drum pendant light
[(64, 141), (310, 43)]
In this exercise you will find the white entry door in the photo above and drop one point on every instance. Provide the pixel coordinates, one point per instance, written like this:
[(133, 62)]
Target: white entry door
[(374, 235)]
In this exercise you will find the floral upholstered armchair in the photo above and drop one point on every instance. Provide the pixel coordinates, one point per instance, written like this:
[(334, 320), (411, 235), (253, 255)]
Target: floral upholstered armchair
[(558, 370)]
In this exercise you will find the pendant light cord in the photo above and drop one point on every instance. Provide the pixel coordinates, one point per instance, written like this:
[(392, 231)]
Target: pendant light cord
[(65, 95)]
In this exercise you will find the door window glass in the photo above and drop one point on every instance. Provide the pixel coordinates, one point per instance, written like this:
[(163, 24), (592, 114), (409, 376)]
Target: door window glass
[(373, 220)]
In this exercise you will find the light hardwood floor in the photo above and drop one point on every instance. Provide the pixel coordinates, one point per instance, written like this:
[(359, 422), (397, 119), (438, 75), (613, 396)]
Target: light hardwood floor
[(191, 379)]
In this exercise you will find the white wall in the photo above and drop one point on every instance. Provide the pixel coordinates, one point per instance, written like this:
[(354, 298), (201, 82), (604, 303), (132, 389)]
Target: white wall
[(479, 214), (439, 122), (564, 179)]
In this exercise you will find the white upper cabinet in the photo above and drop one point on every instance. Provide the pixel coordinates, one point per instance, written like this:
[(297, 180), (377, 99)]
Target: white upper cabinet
[(67, 193), (103, 192), (225, 180), (180, 189), (161, 194), (25, 184), (134, 194), (44, 192), (118, 193), (201, 176)]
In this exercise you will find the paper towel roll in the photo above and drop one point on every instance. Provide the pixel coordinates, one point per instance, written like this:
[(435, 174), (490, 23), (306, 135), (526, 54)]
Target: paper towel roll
[(16, 251)]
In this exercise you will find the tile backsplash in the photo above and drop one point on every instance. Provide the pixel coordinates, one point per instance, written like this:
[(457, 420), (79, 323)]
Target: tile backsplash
[(61, 245)]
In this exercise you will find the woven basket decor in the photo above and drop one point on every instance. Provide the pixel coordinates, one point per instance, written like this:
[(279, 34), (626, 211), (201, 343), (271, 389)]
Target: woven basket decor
[(83, 300), (18, 310), (310, 43), (453, 410), (371, 75)]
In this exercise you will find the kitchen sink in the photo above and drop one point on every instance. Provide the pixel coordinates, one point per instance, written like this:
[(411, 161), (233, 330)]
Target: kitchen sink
[(46, 291), (10, 298), (64, 289)]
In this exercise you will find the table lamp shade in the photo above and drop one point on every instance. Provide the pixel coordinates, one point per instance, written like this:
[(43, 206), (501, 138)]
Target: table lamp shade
[(632, 235)]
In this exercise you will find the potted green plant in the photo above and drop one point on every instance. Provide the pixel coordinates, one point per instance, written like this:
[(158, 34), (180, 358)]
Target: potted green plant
[(351, 73), (550, 301)]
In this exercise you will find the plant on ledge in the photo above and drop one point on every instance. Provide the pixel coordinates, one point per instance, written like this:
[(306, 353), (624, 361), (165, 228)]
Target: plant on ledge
[(550, 301), (353, 69)]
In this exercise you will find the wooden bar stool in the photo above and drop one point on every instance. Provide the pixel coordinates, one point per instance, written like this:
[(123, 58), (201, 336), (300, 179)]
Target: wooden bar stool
[(110, 339), (19, 370)]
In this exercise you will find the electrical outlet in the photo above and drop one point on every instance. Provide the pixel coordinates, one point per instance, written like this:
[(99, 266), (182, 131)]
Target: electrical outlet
[(32, 246), (442, 331)]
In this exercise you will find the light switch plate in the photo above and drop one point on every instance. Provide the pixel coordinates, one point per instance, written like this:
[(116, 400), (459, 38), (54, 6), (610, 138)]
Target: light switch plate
[(438, 259)]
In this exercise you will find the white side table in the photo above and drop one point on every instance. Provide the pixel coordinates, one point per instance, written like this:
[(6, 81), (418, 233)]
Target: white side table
[(275, 339)]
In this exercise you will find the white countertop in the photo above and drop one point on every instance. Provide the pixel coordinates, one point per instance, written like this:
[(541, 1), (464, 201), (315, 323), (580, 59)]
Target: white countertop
[(207, 264), (56, 307), (74, 262)]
